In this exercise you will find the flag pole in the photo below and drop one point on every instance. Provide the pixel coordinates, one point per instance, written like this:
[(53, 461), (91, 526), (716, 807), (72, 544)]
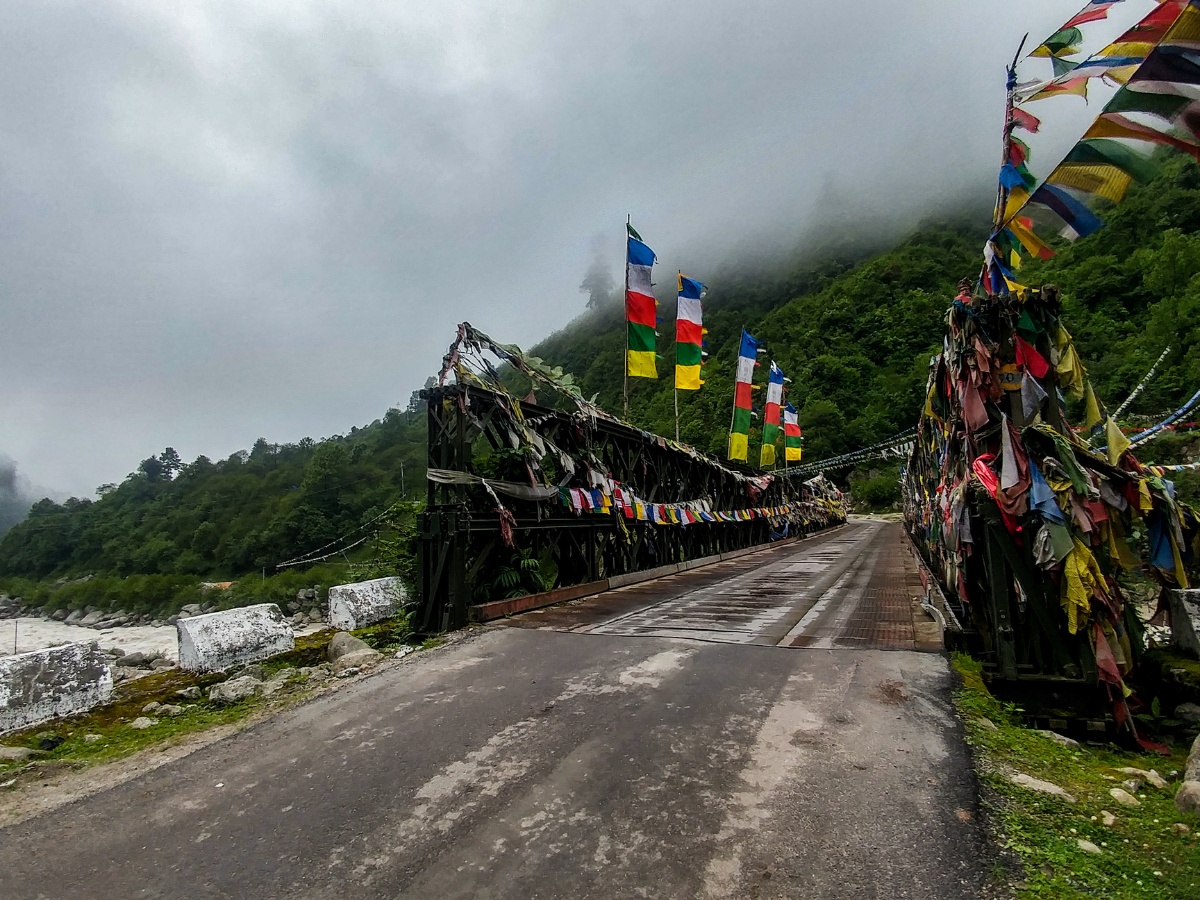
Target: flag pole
[(733, 412), (625, 362), (679, 280)]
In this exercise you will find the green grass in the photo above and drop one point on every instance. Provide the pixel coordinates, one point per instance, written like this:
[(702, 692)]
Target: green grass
[(1142, 855)]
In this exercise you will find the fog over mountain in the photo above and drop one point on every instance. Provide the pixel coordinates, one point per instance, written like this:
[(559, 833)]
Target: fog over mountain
[(221, 220)]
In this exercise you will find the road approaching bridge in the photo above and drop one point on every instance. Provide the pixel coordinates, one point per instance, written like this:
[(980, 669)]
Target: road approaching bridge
[(729, 732)]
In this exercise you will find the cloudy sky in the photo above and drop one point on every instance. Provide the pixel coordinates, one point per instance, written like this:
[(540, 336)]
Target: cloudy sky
[(221, 220)]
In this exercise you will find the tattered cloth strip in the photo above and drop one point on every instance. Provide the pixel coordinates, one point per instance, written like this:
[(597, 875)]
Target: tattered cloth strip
[(743, 402), (689, 335), (508, 488), (641, 309), (770, 434)]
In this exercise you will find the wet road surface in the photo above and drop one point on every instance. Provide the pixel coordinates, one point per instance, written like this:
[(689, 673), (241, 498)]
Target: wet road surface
[(607, 752)]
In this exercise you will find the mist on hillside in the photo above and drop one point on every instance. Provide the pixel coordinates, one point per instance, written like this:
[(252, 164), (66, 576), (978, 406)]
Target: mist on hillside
[(16, 495)]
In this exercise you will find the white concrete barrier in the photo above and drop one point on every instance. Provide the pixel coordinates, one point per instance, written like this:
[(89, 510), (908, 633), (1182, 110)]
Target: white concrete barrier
[(365, 602), (49, 684), (215, 641)]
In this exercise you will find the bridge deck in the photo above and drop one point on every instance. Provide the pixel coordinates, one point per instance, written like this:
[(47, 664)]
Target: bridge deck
[(852, 587)]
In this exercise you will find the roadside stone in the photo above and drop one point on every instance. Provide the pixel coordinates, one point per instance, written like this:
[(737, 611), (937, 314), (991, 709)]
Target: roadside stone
[(235, 690), (92, 738), (1087, 846), (254, 670), (1151, 776), (141, 723), (152, 707), (343, 643), (170, 709), (1188, 712), (1187, 800), (15, 754), (189, 693), (1060, 739), (1192, 772), (1124, 797), (47, 740), (1042, 787), (162, 663), (1107, 819), (404, 651), (134, 660)]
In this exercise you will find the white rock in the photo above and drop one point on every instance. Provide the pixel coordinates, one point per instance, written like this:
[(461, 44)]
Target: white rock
[(92, 738), (45, 684), (15, 754), (1107, 819), (143, 722), (985, 723), (1151, 776), (1124, 797), (365, 602), (1060, 739), (1042, 787), (1087, 846), (1192, 772), (217, 641)]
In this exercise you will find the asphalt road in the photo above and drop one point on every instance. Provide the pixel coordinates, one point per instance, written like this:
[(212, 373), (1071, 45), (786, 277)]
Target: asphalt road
[(544, 762)]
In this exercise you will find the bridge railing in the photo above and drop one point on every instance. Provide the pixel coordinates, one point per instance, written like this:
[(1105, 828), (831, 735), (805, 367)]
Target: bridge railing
[(522, 498)]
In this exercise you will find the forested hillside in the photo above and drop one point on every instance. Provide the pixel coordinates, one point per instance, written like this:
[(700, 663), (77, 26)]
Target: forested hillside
[(854, 332), (856, 339)]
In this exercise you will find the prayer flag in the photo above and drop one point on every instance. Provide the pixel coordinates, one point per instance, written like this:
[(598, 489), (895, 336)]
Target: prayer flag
[(689, 335), (739, 432), (793, 440), (641, 309), (770, 433)]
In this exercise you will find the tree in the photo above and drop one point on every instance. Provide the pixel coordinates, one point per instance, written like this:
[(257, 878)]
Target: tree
[(171, 463), (151, 469)]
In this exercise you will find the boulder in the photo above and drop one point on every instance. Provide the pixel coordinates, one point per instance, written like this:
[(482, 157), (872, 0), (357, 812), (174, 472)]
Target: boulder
[(1124, 797), (162, 663), (60, 615), (170, 709), (235, 690), (189, 693), (134, 660), (1192, 771), (217, 641), (348, 652), (92, 738), (74, 617), (15, 754), (365, 602), (152, 707), (91, 619), (1042, 787), (1187, 800), (141, 723)]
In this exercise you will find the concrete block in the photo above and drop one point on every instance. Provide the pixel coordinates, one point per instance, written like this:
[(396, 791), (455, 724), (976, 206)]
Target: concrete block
[(49, 684), (1185, 620), (216, 641), (365, 602)]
